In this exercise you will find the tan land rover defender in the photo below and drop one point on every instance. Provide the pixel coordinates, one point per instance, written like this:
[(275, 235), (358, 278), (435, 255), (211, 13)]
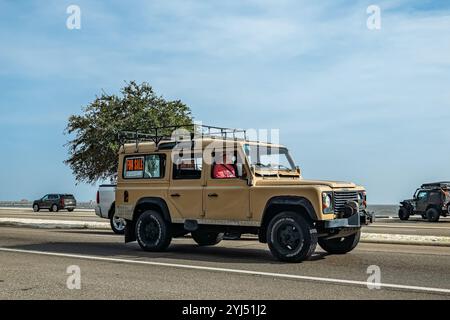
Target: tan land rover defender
[(207, 181)]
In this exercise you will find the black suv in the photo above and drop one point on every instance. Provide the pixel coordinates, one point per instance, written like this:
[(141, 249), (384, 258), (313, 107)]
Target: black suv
[(431, 201), (55, 202)]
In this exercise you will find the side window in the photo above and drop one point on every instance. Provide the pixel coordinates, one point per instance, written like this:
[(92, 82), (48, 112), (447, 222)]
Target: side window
[(53, 197), (422, 195), (188, 167), (154, 166), (435, 197), (226, 165), (45, 198), (133, 167), (149, 167)]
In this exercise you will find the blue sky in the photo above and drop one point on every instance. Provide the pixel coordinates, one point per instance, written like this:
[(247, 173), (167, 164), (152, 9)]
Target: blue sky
[(370, 106)]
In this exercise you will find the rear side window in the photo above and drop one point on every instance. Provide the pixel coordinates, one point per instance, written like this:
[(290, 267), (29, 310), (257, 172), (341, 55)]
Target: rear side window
[(188, 167), (53, 197), (144, 167), (435, 197)]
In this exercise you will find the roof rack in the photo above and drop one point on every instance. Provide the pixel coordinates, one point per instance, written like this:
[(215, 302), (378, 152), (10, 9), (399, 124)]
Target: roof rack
[(436, 185), (158, 134)]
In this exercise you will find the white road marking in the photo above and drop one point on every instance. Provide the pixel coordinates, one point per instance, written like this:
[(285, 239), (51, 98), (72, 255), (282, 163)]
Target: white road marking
[(405, 226), (235, 271)]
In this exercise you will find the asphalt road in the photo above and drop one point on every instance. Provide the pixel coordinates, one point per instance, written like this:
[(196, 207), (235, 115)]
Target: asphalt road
[(415, 226), (35, 262)]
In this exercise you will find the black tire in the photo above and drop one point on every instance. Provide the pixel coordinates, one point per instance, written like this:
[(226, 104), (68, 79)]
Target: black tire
[(291, 238), (433, 215), (152, 231), (204, 238), (118, 227), (403, 214), (36, 208), (70, 210), (340, 245), (54, 208)]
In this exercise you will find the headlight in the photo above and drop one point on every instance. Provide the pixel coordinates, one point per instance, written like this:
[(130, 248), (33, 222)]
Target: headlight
[(327, 202)]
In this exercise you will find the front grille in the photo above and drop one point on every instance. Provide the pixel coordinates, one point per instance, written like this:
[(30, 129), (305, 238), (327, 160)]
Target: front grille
[(341, 198)]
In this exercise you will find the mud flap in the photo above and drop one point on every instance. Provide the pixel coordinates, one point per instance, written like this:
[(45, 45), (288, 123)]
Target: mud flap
[(130, 232)]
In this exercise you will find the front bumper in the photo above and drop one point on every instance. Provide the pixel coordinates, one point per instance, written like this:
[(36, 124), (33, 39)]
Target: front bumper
[(347, 226), (357, 219)]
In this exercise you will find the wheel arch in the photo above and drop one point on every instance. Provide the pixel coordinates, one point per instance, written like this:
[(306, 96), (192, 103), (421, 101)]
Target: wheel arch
[(407, 206), (434, 206), (277, 204), (152, 203), (111, 210)]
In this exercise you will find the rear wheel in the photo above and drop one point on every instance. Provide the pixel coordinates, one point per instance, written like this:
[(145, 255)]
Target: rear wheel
[(152, 231), (54, 208), (433, 215), (204, 238), (340, 245), (117, 224), (36, 208), (70, 210), (403, 213), (291, 238)]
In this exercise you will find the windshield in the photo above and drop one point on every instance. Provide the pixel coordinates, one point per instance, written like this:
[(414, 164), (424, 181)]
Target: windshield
[(269, 158)]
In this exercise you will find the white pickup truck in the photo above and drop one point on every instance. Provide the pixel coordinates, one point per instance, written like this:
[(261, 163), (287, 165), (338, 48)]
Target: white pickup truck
[(106, 197)]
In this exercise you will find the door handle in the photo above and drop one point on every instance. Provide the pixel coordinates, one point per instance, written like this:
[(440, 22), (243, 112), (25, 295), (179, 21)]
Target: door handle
[(213, 195), (175, 195)]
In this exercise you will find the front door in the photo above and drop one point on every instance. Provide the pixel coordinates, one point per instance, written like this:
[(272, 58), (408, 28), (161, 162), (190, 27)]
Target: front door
[(422, 201), (226, 194), (186, 186), (45, 202)]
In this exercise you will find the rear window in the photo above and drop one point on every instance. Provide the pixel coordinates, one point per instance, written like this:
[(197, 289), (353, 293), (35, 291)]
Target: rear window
[(69, 196)]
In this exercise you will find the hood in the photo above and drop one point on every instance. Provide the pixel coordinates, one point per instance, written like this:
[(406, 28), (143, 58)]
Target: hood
[(302, 182)]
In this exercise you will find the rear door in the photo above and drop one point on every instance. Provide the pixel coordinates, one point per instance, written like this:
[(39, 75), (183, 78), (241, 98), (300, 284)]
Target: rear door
[(53, 199), (186, 185)]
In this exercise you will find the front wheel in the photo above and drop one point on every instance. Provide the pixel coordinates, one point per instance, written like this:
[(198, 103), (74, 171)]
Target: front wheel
[(152, 231), (403, 214), (117, 224), (204, 238), (36, 208), (432, 215), (291, 238), (340, 245)]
